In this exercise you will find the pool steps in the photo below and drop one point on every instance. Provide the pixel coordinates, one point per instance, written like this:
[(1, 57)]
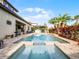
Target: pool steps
[(28, 43), (14, 49)]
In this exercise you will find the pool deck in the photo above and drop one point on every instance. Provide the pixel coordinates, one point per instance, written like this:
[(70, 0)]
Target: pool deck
[(71, 49), (9, 45)]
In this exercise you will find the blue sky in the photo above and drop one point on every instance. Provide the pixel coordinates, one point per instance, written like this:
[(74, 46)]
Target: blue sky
[(40, 11)]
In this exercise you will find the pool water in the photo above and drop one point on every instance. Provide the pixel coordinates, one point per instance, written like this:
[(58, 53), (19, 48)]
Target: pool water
[(44, 38), (39, 52)]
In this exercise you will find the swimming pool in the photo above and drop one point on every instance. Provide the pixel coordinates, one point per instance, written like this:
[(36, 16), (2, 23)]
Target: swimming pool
[(44, 38), (39, 52)]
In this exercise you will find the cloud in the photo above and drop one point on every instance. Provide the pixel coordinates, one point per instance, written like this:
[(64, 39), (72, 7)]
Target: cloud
[(37, 15), (35, 10), (29, 10), (39, 10)]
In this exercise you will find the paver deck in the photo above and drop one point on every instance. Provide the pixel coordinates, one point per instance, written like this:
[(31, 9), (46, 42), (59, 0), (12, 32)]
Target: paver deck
[(71, 49), (9, 44)]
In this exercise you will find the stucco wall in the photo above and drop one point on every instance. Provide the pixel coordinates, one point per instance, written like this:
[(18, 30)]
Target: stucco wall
[(6, 29), (28, 26)]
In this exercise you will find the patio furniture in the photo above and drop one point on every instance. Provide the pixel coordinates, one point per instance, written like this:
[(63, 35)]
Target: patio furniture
[(8, 36)]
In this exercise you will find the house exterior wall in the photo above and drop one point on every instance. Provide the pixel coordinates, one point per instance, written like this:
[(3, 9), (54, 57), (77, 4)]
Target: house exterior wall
[(6, 29), (29, 28), (26, 27)]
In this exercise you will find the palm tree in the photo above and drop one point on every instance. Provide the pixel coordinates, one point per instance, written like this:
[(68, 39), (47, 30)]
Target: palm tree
[(54, 21), (63, 19), (77, 19), (59, 21)]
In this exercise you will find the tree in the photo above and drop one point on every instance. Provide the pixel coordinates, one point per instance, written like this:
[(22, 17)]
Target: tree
[(77, 19), (59, 21), (63, 19), (54, 21)]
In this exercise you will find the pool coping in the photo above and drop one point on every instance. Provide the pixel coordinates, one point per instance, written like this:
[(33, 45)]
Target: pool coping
[(62, 51), (13, 50), (68, 40)]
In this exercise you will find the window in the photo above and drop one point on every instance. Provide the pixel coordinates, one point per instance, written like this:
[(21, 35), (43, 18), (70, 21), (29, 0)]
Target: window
[(9, 22)]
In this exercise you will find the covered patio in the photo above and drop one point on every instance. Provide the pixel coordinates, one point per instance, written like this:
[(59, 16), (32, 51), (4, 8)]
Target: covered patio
[(20, 28)]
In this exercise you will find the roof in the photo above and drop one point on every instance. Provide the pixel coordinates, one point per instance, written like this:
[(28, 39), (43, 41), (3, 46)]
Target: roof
[(12, 13), (12, 6)]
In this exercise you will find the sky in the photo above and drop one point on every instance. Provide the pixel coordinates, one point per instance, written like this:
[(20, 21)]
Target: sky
[(40, 11)]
